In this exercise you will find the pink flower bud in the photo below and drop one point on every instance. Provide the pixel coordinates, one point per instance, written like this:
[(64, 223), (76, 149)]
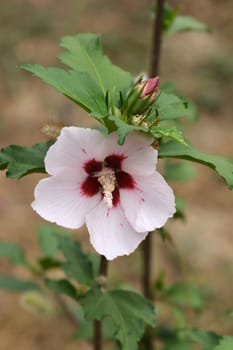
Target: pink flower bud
[(150, 87), (141, 96)]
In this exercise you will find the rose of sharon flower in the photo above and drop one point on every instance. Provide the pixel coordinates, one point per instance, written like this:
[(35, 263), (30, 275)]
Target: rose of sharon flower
[(114, 189)]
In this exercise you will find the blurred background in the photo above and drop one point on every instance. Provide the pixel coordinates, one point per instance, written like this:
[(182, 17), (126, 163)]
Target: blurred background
[(201, 65)]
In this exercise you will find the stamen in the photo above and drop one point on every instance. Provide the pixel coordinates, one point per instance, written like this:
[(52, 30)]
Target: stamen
[(107, 179)]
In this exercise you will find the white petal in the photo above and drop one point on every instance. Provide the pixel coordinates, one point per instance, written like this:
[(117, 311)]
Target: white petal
[(134, 142), (150, 204), (110, 233), (73, 147), (59, 199), (141, 162)]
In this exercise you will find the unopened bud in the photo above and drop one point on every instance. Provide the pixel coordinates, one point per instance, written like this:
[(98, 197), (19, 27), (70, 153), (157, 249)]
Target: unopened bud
[(150, 87), (142, 95), (52, 130), (37, 303)]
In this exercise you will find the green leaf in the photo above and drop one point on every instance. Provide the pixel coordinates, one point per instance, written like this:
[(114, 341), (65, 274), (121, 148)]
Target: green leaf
[(180, 207), (179, 338), (208, 339), (170, 132), (78, 86), (85, 329), (179, 171), (47, 263), (77, 265), (187, 23), (62, 286), (185, 294), (123, 129), (84, 53), (169, 15), (128, 311), (13, 252), (47, 240), (20, 161), (95, 262), (225, 344), (170, 106), (221, 165), (17, 285)]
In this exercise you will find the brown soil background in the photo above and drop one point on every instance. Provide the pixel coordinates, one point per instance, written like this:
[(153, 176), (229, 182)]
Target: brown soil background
[(202, 67)]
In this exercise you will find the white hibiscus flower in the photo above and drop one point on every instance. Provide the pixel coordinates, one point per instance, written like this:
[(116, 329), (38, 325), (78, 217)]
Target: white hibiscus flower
[(114, 189)]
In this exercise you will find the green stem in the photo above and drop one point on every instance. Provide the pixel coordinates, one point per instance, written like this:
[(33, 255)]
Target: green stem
[(97, 325)]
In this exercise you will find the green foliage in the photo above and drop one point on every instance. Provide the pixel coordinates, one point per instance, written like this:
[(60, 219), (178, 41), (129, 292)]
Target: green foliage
[(80, 87), (169, 15), (92, 77), (47, 240), (187, 23), (179, 171), (185, 294), (225, 344), (13, 252), (84, 54), (186, 338), (62, 286), (221, 165), (175, 23), (170, 132), (170, 107), (77, 264), (197, 336), (128, 310), (14, 284), (20, 161), (48, 263), (85, 329), (180, 207), (123, 128)]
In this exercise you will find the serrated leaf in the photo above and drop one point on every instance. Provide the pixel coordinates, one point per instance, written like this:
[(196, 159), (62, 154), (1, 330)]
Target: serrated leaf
[(170, 106), (84, 53), (129, 311), (77, 265), (62, 286), (14, 284), (20, 161), (187, 23), (78, 86), (13, 252), (225, 344), (170, 132), (221, 165), (47, 240)]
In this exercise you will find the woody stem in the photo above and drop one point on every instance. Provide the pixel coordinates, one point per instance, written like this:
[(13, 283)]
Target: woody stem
[(147, 245), (97, 325)]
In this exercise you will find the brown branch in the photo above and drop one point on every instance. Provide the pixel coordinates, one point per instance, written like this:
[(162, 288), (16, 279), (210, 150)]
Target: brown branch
[(147, 244), (97, 324), (157, 38)]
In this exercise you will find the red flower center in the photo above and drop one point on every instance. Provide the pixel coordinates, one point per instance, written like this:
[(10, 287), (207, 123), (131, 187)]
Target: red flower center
[(91, 185)]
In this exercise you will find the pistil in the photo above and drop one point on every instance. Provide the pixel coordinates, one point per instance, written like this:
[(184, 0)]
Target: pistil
[(107, 179)]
